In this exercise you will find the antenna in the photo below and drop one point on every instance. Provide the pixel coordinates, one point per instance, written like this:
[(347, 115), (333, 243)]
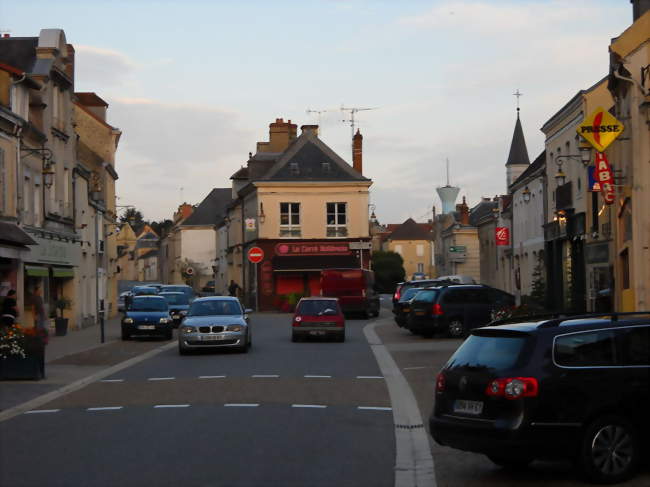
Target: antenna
[(448, 171), (181, 193), (319, 112), (353, 111)]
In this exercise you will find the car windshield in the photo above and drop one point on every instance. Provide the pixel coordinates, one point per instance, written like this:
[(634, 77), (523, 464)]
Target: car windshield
[(318, 307), (144, 290), (426, 295), (408, 294), (177, 289), (148, 304), (215, 308), (494, 353), (181, 299)]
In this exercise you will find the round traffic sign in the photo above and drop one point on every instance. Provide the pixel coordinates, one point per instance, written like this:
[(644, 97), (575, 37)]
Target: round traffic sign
[(255, 255)]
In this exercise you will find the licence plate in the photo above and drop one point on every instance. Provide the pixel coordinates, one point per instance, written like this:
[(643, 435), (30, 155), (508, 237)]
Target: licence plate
[(316, 332), (420, 313), (147, 327), (213, 338), (468, 407)]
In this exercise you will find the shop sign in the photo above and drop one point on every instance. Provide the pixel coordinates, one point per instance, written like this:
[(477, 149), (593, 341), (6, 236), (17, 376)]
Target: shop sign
[(502, 235), (54, 252), (594, 185), (458, 248), (250, 224), (600, 129), (312, 248), (605, 177)]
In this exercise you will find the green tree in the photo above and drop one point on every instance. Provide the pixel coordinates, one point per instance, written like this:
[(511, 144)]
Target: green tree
[(133, 217), (538, 288), (389, 270), (161, 227)]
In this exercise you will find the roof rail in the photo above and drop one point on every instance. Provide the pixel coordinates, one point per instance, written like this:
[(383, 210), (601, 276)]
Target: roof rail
[(614, 316), (529, 317)]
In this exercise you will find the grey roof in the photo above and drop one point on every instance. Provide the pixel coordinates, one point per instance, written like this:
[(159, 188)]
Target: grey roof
[(410, 230), (304, 161), (12, 234), (538, 163), (211, 209), (518, 151), (480, 211), (19, 52)]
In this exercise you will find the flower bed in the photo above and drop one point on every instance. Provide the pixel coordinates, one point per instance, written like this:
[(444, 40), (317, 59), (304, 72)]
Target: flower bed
[(22, 353)]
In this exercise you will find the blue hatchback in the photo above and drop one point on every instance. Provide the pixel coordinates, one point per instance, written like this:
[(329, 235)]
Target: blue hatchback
[(147, 316)]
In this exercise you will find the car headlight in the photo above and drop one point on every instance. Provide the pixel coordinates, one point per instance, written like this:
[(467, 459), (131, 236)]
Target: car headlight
[(164, 320), (188, 329), (127, 321), (183, 312), (233, 328)]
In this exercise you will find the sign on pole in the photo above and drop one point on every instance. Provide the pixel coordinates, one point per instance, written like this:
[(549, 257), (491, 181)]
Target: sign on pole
[(458, 248), (600, 129), (605, 177), (255, 255), (360, 245), (502, 235)]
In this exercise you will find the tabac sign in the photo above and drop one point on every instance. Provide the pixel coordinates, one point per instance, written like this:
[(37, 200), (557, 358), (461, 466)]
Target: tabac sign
[(600, 129)]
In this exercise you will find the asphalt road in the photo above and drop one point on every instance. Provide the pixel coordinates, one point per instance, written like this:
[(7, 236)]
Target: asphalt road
[(285, 414)]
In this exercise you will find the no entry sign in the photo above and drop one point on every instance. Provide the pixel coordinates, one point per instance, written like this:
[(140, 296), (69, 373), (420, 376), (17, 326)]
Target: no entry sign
[(255, 255)]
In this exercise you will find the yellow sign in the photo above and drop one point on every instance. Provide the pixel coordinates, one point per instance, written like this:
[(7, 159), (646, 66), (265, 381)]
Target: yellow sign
[(600, 129)]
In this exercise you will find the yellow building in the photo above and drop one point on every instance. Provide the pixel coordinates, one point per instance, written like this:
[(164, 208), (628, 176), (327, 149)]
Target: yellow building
[(414, 242), (126, 263), (629, 84)]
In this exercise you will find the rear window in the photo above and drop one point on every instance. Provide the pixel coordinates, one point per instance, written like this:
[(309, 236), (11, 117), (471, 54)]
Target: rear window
[(586, 349), (493, 353), (318, 308), (409, 293), (426, 296)]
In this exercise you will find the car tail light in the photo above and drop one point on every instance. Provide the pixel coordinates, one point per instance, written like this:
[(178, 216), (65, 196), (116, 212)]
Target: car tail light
[(296, 320), (436, 310), (440, 383), (513, 387), (397, 294)]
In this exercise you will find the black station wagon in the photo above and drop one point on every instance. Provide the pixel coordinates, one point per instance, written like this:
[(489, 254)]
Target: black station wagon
[(573, 388)]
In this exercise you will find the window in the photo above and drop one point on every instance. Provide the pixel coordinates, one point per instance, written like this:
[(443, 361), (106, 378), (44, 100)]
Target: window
[(290, 219), (420, 267), (419, 250), (398, 249), (635, 345), (326, 166), (294, 169), (336, 220), (589, 349)]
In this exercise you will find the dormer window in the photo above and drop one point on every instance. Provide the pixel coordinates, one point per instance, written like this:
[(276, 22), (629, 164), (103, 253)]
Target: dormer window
[(293, 167), (326, 167)]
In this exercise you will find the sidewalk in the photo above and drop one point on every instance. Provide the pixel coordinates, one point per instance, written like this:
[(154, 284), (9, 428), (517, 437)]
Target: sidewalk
[(81, 340)]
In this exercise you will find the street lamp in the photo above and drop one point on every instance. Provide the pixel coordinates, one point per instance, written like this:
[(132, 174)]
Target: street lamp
[(560, 177), (526, 194), (261, 214), (48, 175)]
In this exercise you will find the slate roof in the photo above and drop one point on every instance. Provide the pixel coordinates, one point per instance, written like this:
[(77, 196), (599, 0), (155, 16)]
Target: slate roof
[(211, 209), (480, 211), (538, 163), (19, 52), (410, 230), (149, 253), (518, 151)]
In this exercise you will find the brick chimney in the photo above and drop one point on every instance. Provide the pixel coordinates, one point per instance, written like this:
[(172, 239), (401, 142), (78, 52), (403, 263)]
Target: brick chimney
[(281, 134), (183, 212), (463, 212), (357, 152), (309, 129)]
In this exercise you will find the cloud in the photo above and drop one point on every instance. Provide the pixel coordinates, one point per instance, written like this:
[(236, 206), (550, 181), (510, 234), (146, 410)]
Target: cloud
[(99, 66)]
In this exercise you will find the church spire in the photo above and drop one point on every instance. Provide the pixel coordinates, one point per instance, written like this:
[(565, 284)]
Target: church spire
[(518, 159)]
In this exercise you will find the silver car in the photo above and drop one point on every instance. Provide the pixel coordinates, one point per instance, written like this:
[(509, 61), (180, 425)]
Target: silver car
[(215, 322)]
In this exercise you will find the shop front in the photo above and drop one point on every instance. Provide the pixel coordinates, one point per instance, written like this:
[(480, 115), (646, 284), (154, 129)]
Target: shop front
[(14, 246), (292, 269)]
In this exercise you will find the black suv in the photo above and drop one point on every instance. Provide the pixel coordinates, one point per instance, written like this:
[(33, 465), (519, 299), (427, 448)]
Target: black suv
[(573, 388), (455, 309), (402, 287)]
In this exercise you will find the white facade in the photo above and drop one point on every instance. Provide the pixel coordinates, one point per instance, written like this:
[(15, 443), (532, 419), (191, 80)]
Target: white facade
[(198, 245)]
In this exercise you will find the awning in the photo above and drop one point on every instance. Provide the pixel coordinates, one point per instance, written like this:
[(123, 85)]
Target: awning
[(62, 272), (36, 271), (314, 263), (12, 234)]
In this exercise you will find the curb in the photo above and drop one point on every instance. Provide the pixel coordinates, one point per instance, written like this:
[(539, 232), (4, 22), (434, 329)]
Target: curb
[(413, 460), (81, 383)]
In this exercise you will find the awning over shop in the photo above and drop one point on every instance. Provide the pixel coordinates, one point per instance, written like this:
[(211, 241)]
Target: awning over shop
[(36, 271), (12, 234), (62, 272), (314, 263)]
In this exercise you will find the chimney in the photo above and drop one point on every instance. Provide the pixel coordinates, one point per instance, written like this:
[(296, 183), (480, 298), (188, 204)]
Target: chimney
[(639, 8), (69, 62), (183, 212), (463, 211), (357, 153), (281, 134), (309, 129)]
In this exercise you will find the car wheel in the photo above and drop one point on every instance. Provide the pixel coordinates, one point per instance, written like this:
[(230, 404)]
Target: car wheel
[(456, 329), (509, 462), (125, 335), (340, 338), (169, 335), (610, 451), (182, 350), (294, 337)]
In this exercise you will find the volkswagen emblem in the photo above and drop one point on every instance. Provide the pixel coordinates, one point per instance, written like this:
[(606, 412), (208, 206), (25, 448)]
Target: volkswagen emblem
[(462, 384)]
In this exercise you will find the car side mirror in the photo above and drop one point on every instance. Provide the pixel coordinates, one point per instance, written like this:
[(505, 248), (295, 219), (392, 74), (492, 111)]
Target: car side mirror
[(248, 311)]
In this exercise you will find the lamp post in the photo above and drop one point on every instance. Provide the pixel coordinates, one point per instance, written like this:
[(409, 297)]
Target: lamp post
[(526, 194), (584, 157)]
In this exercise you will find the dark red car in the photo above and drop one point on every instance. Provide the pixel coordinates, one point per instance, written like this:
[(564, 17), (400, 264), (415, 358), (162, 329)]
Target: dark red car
[(318, 317)]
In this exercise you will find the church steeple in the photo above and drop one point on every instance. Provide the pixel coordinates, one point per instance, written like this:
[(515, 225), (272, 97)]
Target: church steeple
[(518, 159)]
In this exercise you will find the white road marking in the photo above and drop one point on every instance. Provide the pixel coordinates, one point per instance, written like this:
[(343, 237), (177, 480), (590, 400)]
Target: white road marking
[(112, 380), (314, 406), (40, 411), (160, 406), (415, 368), (369, 377), (268, 376), (107, 408), (212, 376), (374, 408), (318, 377), (235, 405), (161, 378)]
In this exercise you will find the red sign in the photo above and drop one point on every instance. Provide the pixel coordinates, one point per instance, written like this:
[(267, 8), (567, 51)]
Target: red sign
[(605, 177), (502, 235), (255, 255), (312, 248)]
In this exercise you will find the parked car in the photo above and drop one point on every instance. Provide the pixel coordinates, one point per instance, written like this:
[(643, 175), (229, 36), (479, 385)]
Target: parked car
[(318, 317), (455, 309), (208, 289), (420, 283), (143, 291), (215, 322), (573, 388), (157, 285), (121, 301), (178, 303), (179, 288), (402, 307), (147, 316), (353, 287)]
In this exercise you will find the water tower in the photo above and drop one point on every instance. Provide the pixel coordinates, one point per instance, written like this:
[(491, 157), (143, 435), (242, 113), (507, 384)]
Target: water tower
[(448, 195)]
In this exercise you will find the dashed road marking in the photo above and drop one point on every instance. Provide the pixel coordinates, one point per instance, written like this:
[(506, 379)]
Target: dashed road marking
[(374, 408), (161, 378), (212, 376), (370, 377), (240, 405), (265, 376), (112, 380), (313, 406), (106, 408), (41, 411), (414, 368), (318, 376), (163, 406)]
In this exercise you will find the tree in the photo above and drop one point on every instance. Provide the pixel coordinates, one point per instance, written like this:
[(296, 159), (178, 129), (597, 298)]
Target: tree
[(538, 288), (389, 270), (133, 217), (161, 227)]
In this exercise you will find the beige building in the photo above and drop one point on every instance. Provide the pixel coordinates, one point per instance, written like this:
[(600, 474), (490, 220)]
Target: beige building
[(414, 243), (126, 258), (629, 84)]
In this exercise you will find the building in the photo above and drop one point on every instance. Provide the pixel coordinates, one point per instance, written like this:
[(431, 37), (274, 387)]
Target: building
[(146, 255), (629, 84), (126, 240), (414, 242), (304, 206), (491, 217)]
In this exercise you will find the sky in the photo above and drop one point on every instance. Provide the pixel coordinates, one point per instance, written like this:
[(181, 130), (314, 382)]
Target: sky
[(193, 85)]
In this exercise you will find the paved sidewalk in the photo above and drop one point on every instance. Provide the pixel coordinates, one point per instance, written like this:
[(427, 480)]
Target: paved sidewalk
[(81, 340)]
